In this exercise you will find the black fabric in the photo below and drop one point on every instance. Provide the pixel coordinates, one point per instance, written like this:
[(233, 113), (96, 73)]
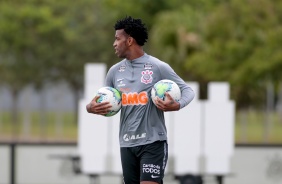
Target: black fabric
[(144, 163)]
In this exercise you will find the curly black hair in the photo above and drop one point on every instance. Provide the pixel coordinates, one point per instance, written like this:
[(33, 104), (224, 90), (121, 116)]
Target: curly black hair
[(134, 28)]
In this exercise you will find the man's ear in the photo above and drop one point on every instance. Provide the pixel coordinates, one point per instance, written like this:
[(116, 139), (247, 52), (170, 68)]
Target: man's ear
[(130, 41)]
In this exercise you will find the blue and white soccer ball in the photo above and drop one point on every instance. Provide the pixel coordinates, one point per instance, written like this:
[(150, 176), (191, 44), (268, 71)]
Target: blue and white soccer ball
[(163, 86), (112, 95)]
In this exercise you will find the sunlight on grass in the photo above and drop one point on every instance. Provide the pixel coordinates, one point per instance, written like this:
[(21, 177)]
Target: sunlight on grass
[(257, 127), (50, 126), (250, 127)]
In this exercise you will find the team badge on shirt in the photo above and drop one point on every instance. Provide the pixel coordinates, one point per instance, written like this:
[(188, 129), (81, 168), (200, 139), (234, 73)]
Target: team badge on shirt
[(147, 76)]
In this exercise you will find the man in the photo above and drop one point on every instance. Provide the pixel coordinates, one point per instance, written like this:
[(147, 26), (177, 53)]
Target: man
[(142, 135)]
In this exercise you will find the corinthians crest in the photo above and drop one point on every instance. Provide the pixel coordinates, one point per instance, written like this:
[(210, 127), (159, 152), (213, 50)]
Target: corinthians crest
[(146, 77)]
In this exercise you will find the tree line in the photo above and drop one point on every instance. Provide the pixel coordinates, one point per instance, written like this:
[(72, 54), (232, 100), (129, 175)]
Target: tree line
[(217, 40)]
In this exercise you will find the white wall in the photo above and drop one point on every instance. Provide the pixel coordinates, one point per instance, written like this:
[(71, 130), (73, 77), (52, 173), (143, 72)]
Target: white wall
[(256, 165), (4, 164), (35, 165)]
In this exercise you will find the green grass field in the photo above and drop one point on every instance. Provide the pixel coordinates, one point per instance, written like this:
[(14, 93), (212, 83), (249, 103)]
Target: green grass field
[(250, 128), (258, 128), (51, 127)]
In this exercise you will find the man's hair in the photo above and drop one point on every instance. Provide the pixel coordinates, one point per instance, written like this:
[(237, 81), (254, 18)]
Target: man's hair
[(134, 28)]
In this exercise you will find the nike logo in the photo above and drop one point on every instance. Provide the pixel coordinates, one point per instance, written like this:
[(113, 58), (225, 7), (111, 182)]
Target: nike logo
[(155, 176)]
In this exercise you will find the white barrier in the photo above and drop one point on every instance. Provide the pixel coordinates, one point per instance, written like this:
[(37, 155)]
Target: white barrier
[(169, 126), (115, 148), (98, 143), (93, 130), (218, 127), (187, 136), (203, 130)]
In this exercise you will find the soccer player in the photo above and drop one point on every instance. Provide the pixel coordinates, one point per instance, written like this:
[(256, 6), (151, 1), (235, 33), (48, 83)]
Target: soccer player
[(142, 135)]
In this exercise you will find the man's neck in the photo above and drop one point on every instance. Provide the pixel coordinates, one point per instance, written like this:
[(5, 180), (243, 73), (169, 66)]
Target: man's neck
[(135, 53)]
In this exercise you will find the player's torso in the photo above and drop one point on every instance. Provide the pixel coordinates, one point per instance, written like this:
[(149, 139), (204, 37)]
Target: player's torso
[(135, 80)]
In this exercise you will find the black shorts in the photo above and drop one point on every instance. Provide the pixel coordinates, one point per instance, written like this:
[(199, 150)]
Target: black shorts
[(144, 163)]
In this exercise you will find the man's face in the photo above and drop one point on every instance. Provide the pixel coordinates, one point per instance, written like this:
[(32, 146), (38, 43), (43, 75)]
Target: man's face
[(120, 43)]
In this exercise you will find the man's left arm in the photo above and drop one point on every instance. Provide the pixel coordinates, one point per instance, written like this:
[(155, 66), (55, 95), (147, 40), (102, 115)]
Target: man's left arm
[(187, 94)]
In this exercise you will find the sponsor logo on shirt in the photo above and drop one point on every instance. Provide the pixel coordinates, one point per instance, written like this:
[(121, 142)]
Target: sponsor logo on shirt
[(147, 76), (148, 66), (120, 82), (125, 90), (135, 98), (122, 68), (127, 137)]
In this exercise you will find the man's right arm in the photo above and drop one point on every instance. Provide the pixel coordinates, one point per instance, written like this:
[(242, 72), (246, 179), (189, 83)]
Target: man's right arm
[(98, 108)]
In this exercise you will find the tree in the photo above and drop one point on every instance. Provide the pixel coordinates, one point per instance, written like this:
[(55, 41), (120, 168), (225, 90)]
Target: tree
[(25, 30), (51, 41), (241, 47), (235, 41)]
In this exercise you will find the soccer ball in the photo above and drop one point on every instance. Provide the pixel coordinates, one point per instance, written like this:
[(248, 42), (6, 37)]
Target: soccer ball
[(163, 86), (112, 95)]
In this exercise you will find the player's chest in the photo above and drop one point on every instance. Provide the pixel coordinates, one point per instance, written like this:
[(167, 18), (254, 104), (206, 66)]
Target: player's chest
[(136, 79)]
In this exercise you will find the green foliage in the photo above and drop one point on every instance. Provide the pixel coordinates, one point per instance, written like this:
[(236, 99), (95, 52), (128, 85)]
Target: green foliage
[(240, 47), (145, 9), (174, 36), (22, 28), (236, 41)]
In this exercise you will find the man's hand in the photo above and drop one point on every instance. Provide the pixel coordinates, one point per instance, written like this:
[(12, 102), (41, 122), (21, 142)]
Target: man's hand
[(169, 104), (98, 108)]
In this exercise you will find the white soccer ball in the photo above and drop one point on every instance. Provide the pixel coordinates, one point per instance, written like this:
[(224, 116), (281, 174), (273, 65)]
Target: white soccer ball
[(163, 86), (112, 95)]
